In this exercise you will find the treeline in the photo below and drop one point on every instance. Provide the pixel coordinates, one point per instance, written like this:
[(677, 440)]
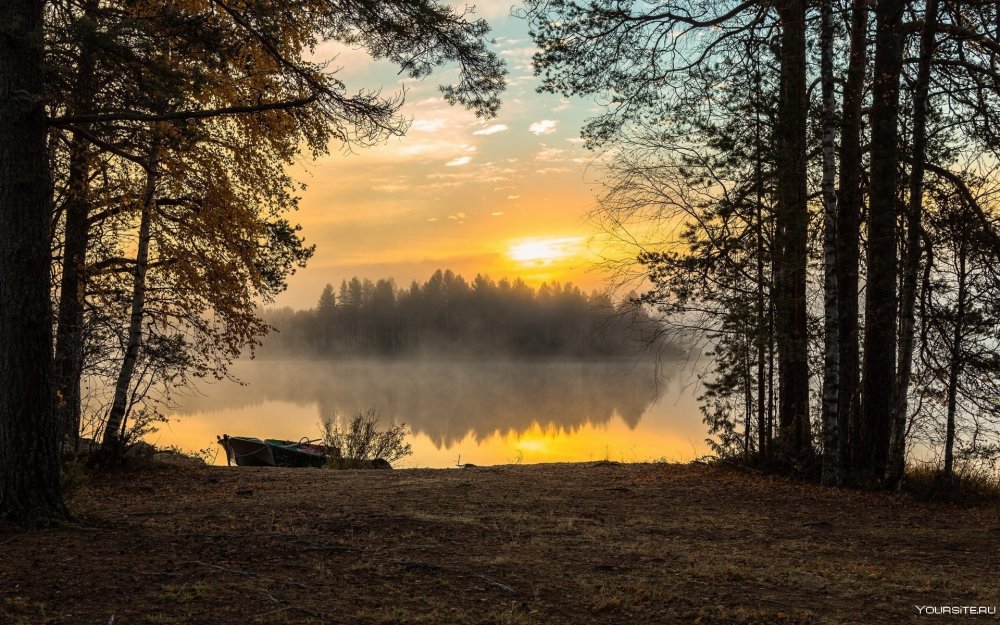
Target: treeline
[(448, 315), (811, 188)]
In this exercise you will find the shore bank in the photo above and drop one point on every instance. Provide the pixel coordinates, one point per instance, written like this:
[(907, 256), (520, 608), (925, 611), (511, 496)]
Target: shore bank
[(554, 544)]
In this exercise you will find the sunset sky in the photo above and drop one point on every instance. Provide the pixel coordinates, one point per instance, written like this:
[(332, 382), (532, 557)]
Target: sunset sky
[(506, 196)]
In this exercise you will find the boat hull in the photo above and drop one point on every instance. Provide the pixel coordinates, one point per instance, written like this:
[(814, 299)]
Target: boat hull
[(247, 451)]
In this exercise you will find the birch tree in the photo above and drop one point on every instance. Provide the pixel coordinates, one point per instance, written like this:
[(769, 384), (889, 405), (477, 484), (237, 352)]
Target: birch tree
[(831, 472)]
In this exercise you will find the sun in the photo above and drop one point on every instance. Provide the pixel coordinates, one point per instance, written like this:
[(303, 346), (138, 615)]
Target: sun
[(543, 251)]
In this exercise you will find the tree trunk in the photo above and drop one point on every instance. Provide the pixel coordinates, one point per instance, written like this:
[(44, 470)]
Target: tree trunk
[(119, 407), (791, 223), (878, 375), (30, 491), (68, 363), (849, 207), (747, 399), (761, 325), (831, 321), (955, 365), (762, 334), (911, 266)]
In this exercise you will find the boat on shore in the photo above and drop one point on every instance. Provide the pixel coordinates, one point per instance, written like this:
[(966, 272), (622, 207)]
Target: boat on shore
[(247, 451)]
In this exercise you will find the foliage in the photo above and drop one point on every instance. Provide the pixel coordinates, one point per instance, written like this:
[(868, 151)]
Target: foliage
[(693, 138), (447, 313), (226, 95), (363, 439)]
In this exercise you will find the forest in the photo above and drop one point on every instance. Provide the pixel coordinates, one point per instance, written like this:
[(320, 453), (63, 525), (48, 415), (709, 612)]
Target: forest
[(451, 317), (805, 188), (800, 196), (811, 190)]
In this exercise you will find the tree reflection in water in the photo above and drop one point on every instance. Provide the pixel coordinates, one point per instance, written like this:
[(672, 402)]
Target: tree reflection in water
[(448, 400)]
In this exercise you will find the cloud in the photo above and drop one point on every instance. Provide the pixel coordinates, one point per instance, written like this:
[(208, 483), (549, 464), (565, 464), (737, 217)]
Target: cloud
[(513, 197), (496, 213), (491, 130), (544, 127), (427, 125), (549, 154), (391, 188), (458, 162)]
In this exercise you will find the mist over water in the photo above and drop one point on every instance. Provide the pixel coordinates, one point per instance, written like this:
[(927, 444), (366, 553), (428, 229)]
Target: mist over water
[(487, 411)]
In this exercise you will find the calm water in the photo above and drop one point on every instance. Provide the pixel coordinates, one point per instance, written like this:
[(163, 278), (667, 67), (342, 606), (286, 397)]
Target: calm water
[(481, 412)]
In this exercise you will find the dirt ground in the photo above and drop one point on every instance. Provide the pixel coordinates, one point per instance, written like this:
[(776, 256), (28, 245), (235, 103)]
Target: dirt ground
[(548, 544)]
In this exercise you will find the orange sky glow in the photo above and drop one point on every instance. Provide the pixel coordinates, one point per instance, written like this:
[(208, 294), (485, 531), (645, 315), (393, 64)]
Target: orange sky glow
[(505, 197)]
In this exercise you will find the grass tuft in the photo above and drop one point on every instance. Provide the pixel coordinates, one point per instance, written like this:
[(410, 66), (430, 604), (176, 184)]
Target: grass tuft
[(967, 487)]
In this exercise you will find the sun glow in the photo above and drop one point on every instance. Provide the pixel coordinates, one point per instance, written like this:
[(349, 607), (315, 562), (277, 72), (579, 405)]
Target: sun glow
[(544, 251)]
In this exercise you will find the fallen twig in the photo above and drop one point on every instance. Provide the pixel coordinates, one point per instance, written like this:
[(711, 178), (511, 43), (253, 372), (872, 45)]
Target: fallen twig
[(493, 582), (222, 568)]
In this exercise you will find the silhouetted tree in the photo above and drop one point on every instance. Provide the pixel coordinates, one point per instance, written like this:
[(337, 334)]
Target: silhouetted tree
[(30, 490)]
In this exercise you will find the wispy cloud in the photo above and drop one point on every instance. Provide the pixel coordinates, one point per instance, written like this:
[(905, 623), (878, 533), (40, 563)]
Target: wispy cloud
[(427, 125), (549, 154), (491, 130), (544, 127), (458, 162)]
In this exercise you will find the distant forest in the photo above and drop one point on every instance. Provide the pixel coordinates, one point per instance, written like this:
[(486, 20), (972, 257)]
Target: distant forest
[(448, 314)]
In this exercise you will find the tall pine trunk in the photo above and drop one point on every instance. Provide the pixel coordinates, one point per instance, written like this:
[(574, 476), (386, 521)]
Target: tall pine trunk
[(911, 266), (849, 208), (831, 321), (119, 407), (30, 491), (878, 374), (791, 223), (68, 363)]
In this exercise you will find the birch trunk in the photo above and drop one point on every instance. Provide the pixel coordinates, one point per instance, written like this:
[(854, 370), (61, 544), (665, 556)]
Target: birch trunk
[(831, 320), (119, 408)]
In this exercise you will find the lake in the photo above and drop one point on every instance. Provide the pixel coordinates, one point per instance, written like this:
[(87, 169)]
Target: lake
[(475, 411)]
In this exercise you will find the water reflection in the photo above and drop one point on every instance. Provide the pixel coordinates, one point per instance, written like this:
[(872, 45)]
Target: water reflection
[(545, 410)]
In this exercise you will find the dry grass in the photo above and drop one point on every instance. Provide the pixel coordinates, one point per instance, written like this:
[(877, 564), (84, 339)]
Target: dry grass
[(552, 544)]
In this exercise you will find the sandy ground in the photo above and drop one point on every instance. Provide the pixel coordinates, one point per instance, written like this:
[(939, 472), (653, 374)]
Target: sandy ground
[(548, 544)]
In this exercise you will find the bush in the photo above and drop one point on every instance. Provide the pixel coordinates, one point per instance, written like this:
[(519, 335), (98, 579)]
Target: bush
[(363, 441), (968, 486)]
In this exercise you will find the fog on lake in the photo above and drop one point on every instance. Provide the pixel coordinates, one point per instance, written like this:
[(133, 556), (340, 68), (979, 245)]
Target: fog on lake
[(483, 412)]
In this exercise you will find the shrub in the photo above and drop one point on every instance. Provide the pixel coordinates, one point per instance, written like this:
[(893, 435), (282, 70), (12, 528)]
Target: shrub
[(363, 441), (968, 486)]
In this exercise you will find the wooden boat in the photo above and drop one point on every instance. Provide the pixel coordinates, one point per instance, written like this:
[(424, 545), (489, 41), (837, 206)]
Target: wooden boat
[(247, 451)]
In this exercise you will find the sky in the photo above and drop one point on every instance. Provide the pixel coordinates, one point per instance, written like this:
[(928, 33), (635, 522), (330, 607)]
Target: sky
[(506, 196)]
